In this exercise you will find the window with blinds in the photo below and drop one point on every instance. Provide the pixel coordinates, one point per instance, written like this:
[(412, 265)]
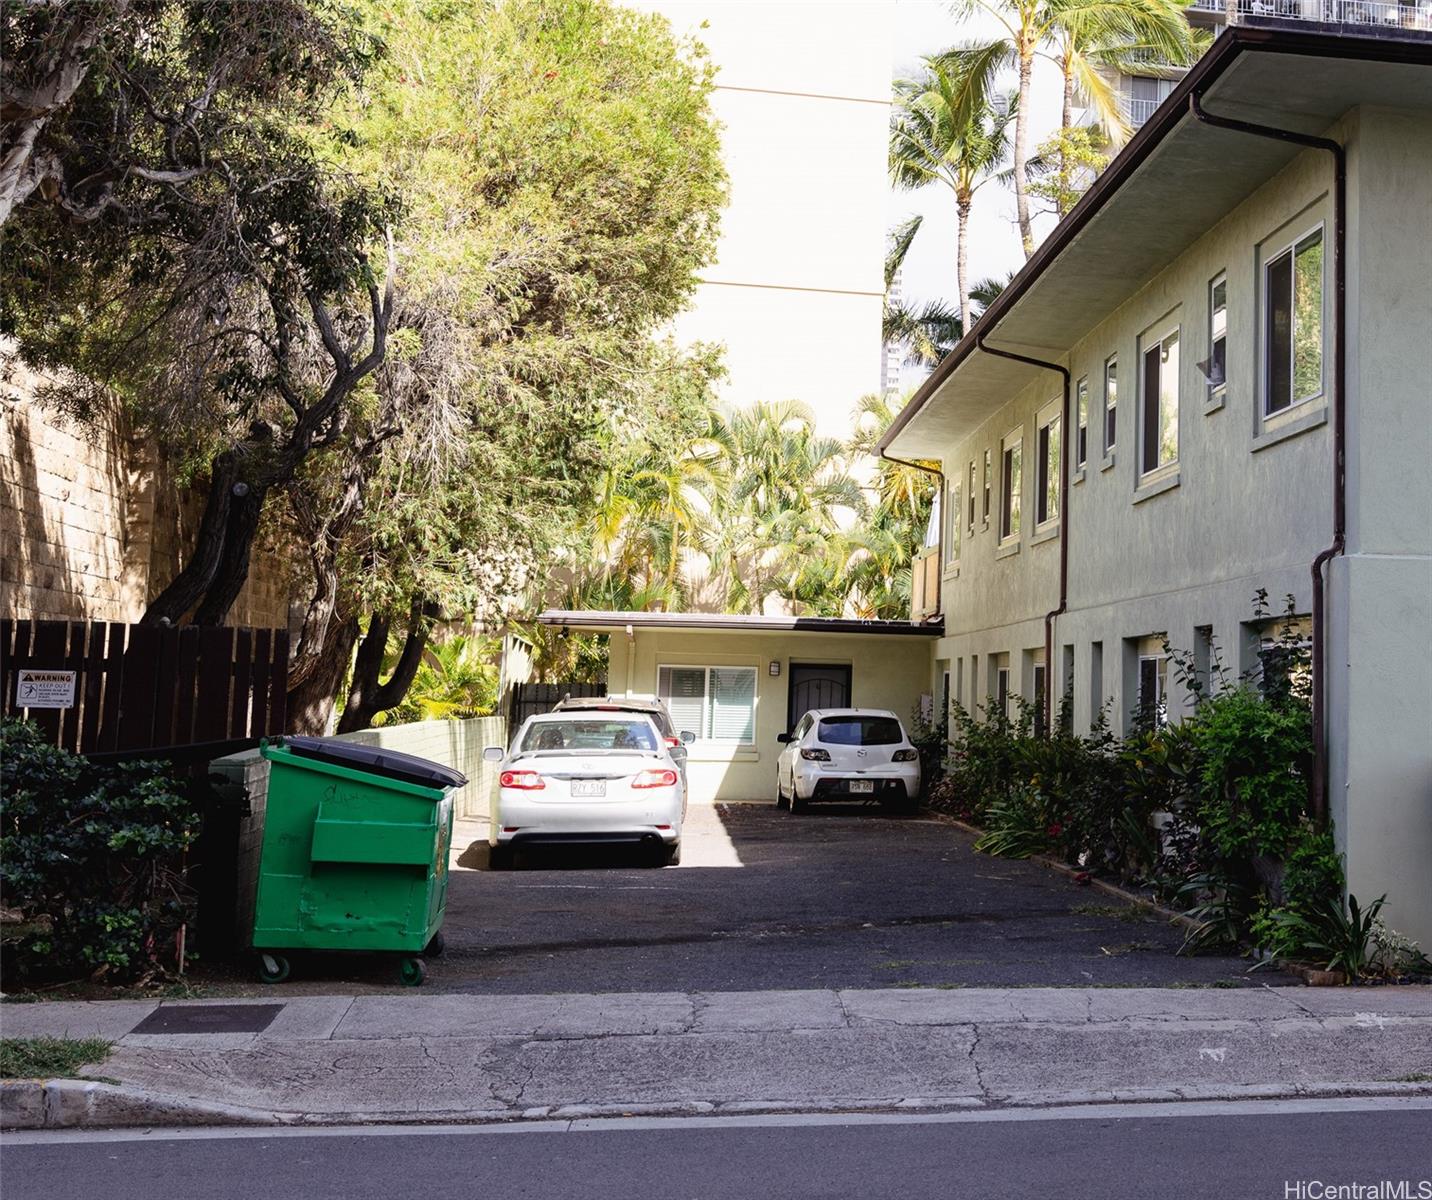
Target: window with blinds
[(718, 704)]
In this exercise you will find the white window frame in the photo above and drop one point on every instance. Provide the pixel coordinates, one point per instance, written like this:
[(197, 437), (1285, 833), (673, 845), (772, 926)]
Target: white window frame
[(972, 478), (1156, 338), (950, 535), (1081, 426), (1014, 440), (988, 485), (1217, 392), (1268, 258), (1160, 705), (1002, 693), (1046, 473), (707, 668), (1111, 408)]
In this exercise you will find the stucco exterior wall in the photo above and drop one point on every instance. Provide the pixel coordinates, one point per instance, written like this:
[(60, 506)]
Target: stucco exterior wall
[(1241, 513), (887, 671), (803, 97), (1380, 694), (1250, 505)]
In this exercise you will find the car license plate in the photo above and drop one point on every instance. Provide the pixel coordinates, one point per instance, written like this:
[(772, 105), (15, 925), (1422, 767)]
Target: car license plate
[(862, 785), (589, 787)]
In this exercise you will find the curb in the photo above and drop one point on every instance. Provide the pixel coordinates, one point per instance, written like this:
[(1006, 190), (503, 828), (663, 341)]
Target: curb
[(1113, 889), (89, 1104), (92, 1104)]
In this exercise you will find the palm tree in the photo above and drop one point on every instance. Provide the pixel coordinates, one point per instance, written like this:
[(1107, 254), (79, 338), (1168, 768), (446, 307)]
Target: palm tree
[(1036, 27), (944, 130), (1088, 40), (777, 520)]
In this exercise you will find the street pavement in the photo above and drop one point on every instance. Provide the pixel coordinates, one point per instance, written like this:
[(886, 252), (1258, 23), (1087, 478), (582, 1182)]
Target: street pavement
[(1250, 1151), (841, 897), (463, 1057)]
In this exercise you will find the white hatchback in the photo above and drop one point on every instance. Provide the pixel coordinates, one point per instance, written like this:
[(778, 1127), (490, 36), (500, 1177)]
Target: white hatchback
[(587, 778), (848, 754)]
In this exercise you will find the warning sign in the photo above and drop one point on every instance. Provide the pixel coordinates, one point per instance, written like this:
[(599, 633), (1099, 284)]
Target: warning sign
[(45, 689)]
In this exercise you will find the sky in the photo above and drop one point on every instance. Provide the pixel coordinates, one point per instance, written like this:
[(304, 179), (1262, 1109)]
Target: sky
[(923, 27)]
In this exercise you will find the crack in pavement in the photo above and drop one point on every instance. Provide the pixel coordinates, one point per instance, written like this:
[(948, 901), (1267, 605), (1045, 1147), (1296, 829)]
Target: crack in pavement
[(974, 1060)]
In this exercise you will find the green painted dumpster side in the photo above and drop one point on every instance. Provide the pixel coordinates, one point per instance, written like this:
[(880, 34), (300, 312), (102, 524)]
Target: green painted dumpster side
[(351, 860)]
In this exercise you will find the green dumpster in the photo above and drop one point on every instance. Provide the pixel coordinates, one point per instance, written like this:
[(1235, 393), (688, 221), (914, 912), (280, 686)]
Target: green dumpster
[(354, 854)]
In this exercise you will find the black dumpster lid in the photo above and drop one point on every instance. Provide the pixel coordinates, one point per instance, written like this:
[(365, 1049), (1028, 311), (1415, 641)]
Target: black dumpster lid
[(389, 763)]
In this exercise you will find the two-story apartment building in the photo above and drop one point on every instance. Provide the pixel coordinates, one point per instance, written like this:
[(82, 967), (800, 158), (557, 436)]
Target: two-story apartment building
[(1215, 377)]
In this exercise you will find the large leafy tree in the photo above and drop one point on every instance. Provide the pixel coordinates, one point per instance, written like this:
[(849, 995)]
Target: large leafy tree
[(941, 134), (182, 238), (561, 179)]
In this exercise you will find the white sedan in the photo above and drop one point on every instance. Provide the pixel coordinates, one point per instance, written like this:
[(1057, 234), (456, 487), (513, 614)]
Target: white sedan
[(847, 754), (586, 778)]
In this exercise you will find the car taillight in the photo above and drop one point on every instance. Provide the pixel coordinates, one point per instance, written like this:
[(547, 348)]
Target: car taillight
[(527, 781), (673, 742), (651, 779), (906, 755), (816, 755)]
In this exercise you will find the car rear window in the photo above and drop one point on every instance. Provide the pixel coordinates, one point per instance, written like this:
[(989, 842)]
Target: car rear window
[(584, 734), (859, 731)]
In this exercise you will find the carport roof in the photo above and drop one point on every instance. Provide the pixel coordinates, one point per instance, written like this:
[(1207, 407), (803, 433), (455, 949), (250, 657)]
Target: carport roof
[(1174, 180), (598, 621)]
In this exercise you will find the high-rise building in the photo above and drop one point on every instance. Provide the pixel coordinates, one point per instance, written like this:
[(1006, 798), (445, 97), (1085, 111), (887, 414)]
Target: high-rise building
[(892, 354), (795, 295)]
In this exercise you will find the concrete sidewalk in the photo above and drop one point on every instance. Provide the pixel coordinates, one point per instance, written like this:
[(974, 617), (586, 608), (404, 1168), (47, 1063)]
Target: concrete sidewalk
[(414, 1057)]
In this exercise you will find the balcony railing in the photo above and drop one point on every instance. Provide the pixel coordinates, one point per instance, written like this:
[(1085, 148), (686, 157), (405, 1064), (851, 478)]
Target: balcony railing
[(1331, 12), (1137, 111)]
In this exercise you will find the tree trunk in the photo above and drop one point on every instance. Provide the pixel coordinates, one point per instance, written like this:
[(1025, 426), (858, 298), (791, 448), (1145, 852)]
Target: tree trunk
[(368, 697), (311, 701), (1021, 150), (1066, 181), (187, 588), (233, 569), (22, 170), (962, 260)]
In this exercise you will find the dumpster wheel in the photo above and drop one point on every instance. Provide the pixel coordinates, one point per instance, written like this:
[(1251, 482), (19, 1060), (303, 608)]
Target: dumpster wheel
[(273, 968), (436, 945), (411, 972)]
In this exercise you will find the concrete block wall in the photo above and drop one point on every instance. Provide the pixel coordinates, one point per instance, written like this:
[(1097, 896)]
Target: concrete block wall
[(92, 526), (453, 743)]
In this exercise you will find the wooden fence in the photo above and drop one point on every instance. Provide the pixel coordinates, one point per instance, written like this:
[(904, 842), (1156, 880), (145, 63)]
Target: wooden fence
[(138, 687), (530, 699)]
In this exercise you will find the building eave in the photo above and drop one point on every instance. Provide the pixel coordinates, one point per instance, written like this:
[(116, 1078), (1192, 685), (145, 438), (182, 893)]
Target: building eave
[(598, 621), (1104, 198)]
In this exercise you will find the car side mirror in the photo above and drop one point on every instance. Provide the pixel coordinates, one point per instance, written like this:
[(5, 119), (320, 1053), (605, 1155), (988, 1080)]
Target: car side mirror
[(687, 737), (784, 738), (494, 754)]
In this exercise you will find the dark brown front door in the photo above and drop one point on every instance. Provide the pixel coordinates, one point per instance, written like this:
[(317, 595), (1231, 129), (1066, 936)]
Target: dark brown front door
[(817, 685)]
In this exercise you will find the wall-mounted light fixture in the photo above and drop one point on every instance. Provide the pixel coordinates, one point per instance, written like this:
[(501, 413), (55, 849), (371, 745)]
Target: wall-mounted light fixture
[(775, 667)]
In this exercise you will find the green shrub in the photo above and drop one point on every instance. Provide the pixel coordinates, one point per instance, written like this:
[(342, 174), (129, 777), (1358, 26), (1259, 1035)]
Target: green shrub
[(92, 856), (1016, 826), (1252, 781)]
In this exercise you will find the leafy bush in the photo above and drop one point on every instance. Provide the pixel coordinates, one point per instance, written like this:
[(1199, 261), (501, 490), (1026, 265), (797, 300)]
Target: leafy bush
[(1252, 783), (1016, 826), (92, 857)]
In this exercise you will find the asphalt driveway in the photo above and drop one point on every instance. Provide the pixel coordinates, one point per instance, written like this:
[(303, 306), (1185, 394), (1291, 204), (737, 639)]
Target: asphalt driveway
[(836, 898)]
